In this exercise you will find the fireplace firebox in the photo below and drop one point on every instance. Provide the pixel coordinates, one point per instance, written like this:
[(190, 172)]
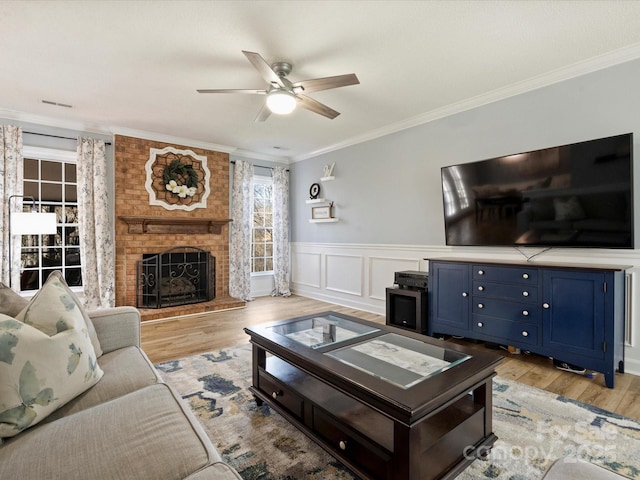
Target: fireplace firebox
[(179, 276)]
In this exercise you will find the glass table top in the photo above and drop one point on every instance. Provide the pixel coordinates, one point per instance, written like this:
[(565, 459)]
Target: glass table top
[(399, 360), (323, 330)]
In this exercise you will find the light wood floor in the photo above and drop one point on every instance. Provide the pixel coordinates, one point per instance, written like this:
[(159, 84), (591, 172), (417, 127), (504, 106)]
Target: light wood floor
[(171, 339)]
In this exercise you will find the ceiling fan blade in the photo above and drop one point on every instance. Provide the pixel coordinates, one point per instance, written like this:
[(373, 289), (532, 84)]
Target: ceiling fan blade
[(231, 90), (316, 107), (263, 68), (263, 114), (318, 84)]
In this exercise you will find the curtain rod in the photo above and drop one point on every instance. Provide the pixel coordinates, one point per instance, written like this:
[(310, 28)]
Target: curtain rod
[(259, 166), (57, 136)]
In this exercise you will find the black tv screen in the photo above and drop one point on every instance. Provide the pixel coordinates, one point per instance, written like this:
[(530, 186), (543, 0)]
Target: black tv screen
[(577, 195)]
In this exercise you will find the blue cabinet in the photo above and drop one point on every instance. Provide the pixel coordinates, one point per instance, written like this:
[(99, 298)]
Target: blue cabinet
[(449, 298), (574, 313)]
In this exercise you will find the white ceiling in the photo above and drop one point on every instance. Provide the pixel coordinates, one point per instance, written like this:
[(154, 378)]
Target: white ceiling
[(133, 67)]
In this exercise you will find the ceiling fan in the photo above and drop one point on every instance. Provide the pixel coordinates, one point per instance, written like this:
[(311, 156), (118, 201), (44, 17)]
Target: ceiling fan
[(283, 95)]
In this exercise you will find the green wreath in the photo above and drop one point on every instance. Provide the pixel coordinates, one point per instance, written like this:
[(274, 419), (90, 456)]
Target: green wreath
[(180, 171)]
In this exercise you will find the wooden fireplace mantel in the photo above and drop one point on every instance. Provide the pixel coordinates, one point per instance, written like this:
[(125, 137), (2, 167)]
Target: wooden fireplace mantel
[(144, 224)]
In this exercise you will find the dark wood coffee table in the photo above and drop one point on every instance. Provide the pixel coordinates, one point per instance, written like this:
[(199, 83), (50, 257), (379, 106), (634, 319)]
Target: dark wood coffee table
[(388, 403)]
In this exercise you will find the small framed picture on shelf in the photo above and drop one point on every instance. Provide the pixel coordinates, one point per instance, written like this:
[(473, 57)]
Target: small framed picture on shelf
[(320, 212)]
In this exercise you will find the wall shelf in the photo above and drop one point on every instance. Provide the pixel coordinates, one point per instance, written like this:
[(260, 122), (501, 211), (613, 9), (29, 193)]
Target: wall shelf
[(150, 224), (326, 179), (323, 220), (317, 200)]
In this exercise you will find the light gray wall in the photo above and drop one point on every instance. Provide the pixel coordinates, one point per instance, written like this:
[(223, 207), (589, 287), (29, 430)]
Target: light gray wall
[(387, 190)]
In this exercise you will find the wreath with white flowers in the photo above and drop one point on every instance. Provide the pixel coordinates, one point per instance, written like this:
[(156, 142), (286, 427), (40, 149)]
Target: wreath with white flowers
[(180, 179)]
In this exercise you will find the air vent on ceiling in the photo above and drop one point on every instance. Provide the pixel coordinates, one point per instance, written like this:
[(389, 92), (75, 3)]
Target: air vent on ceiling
[(49, 102)]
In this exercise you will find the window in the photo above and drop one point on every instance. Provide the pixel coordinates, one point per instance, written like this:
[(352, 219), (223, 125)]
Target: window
[(50, 178), (262, 237)]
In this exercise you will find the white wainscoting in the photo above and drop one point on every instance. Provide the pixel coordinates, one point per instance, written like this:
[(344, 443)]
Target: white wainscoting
[(356, 275), (353, 275)]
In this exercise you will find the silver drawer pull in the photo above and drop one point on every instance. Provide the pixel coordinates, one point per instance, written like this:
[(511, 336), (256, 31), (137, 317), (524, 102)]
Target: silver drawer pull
[(276, 394), (342, 444), (525, 313), (480, 272), (525, 334), (480, 324), (464, 294), (481, 288), (480, 305), (525, 294), (525, 275), (545, 305)]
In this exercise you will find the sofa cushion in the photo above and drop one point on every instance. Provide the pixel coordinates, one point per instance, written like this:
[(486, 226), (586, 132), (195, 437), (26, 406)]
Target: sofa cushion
[(10, 302), (62, 300), (125, 370), (145, 434), (46, 359)]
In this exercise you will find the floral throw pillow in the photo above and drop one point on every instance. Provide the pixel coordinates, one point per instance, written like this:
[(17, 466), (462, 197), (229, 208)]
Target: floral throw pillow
[(46, 359), (69, 301)]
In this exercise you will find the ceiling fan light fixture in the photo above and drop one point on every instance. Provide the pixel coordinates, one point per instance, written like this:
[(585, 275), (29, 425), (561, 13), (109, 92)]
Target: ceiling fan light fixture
[(281, 102)]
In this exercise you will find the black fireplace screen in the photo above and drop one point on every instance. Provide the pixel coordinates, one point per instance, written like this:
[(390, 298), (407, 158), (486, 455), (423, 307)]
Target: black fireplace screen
[(178, 276)]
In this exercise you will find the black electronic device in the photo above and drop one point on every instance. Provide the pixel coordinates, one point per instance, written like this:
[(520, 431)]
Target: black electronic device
[(412, 279), (576, 195)]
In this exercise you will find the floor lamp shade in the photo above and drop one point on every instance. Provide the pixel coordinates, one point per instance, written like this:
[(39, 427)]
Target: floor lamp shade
[(32, 223)]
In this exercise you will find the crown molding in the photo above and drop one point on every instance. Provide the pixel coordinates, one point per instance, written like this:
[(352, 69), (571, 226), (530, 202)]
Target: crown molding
[(556, 76), (261, 156), (159, 137), (82, 126), (54, 122)]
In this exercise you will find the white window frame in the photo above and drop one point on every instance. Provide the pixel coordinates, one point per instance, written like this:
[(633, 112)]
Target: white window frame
[(57, 155), (267, 180)]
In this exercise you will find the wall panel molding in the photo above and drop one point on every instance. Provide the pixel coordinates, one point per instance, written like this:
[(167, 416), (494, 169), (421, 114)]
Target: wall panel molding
[(343, 273), (306, 269), (368, 270)]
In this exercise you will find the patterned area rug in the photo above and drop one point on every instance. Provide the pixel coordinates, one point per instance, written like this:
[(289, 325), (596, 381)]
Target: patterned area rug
[(534, 427)]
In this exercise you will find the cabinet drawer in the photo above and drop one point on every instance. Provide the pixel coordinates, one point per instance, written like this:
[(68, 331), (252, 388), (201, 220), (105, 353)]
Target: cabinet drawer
[(521, 275), (520, 293), (513, 311), (356, 449), (280, 393), (505, 329)]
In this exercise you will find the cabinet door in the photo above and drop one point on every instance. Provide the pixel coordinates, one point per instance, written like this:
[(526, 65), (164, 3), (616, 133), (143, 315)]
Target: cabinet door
[(573, 312), (449, 298)]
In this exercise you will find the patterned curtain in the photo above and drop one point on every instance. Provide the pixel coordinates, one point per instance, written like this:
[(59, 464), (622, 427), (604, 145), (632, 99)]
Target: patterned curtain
[(11, 176), (281, 232), (240, 241), (96, 240)]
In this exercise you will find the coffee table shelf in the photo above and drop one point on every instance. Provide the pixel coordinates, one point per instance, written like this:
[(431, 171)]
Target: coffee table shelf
[(378, 428)]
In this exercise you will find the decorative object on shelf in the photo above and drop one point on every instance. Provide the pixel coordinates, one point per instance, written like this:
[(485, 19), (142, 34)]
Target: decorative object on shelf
[(322, 212), (177, 179), (328, 170), (314, 191)]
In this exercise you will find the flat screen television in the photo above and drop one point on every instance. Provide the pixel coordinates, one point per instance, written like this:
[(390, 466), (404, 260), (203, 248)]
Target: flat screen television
[(577, 195)]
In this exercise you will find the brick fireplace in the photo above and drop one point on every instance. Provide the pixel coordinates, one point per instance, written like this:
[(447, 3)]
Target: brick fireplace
[(142, 227)]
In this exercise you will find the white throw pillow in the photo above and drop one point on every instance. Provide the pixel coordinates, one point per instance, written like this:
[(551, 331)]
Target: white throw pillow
[(46, 359)]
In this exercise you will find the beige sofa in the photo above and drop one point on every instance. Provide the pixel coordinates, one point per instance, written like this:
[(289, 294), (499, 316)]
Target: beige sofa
[(130, 425)]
